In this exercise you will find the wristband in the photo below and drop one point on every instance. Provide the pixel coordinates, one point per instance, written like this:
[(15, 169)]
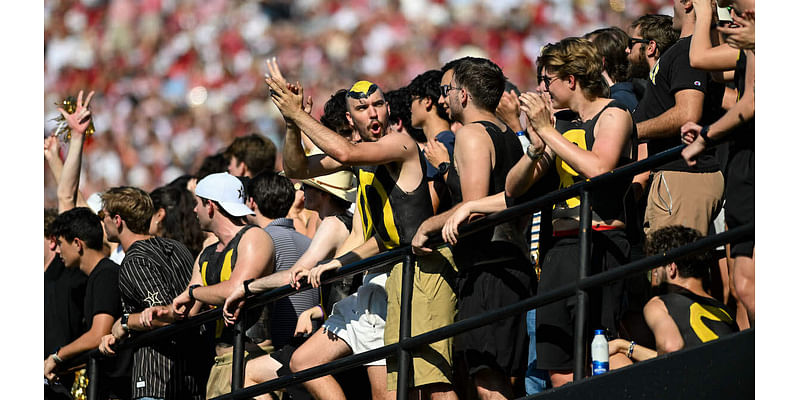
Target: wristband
[(704, 135), (191, 291), (56, 358), (630, 349), (246, 283), (124, 322)]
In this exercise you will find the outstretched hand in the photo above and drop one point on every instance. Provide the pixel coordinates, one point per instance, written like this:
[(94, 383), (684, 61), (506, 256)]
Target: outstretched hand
[(286, 96), (79, 120)]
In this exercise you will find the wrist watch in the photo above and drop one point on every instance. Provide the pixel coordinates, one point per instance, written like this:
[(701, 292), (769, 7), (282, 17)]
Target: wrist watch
[(532, 154), (443, 167), (124, 321), (704, 135)]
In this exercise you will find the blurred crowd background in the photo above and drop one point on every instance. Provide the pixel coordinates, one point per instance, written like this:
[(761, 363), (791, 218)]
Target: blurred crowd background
[(177, 80)]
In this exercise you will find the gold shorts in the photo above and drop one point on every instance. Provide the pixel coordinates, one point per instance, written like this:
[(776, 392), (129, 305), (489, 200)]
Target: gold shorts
[(433, 305)]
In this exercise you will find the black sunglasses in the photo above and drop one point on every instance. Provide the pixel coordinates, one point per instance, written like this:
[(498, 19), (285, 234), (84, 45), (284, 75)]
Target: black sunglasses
[(447, 88), (633, 41), (546, 79)]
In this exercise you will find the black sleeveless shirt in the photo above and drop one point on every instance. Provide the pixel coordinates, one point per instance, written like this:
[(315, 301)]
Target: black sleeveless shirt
[(386, 210), (607, 201), (216, 267), (509, 240), (700, 319)]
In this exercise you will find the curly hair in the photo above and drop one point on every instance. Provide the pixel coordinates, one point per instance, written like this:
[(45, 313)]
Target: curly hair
[(694, 265), (577, 57), (180, 222)]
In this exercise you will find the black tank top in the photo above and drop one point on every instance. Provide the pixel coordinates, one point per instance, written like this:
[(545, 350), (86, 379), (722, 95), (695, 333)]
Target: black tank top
[(216, 267), (508, 240), (700, 319), (386, 210), (743, 135), (607, 201)]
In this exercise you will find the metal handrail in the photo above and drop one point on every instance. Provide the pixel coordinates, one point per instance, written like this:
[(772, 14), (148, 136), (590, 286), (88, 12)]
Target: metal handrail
[(436, 335), (391, 257)]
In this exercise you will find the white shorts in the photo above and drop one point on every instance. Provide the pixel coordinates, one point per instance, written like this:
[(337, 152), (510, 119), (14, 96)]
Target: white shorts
[(360, 318)]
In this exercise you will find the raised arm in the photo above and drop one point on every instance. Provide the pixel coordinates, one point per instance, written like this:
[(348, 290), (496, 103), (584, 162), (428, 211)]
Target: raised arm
[(78, 122), (51, 155), (703, 53)]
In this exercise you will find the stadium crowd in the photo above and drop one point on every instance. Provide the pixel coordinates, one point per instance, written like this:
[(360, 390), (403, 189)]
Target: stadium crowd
[(241, 147)]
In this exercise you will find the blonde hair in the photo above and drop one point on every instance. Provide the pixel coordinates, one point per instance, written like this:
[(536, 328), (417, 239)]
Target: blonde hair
[(132, 204), (577, 57)]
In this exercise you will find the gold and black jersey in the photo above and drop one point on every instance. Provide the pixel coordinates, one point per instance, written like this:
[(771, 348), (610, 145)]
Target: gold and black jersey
[(699, 319), (386, 210), (216, 267), (607, 201)]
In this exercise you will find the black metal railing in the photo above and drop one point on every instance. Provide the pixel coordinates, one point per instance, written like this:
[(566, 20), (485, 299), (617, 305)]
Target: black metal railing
[(406, 342)]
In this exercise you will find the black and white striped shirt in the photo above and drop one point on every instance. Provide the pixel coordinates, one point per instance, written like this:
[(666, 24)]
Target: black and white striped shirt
[(154, 272)]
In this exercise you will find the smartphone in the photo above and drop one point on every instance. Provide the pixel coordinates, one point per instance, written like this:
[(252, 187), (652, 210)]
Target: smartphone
[(724, 17)]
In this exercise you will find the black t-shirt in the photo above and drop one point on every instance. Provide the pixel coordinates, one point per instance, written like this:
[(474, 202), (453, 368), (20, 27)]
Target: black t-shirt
[(102, 292), (671, 74), (64, 290), (102, 297)]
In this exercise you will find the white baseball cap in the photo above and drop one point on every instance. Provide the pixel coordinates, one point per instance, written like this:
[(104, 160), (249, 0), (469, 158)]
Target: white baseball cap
[(227, 190)]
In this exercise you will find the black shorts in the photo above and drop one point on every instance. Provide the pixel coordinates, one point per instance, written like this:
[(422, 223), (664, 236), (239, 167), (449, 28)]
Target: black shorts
[(502, 345), (555, 321), (740, 191)]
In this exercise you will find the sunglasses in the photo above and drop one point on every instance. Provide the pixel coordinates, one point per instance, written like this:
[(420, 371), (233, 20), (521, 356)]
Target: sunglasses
[(447, 88), (633, 41), (547, 80)]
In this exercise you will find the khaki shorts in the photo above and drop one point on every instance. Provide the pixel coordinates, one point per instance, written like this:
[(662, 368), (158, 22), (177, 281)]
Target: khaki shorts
[(433, 305), (683, 198), (219, 380)]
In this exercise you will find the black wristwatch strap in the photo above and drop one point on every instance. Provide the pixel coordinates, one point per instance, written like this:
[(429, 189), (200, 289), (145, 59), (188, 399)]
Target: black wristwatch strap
[(443, 167), (191, 291), (704, 135), (246, 284)]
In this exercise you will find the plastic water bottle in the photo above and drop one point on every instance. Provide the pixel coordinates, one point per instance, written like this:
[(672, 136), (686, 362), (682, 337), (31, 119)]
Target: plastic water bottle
[(599, 352)]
